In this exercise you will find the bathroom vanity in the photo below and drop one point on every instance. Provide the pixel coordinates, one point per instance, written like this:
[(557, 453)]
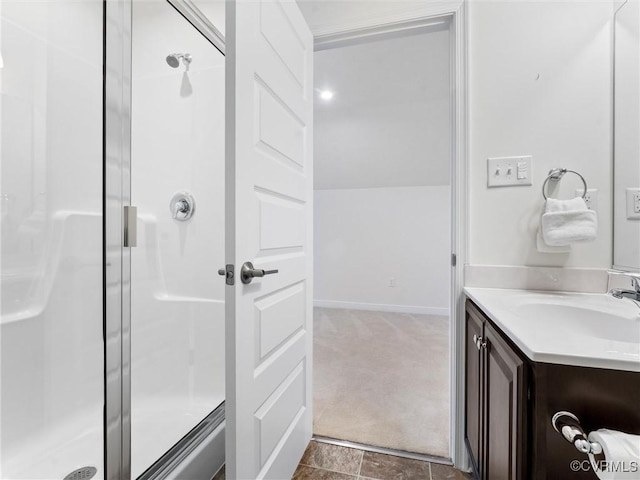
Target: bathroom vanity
[(532, 354)]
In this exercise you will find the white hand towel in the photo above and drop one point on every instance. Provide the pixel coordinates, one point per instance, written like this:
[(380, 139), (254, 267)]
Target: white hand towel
[(568, 221), (542, 247)]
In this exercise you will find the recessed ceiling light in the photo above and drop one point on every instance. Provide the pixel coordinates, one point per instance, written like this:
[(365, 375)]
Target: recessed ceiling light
[(326, 94)]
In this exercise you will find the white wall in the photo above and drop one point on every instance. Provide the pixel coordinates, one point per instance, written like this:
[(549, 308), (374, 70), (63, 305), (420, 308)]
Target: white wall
[(388, 122), (539, 84), (382, 167), (627, 140), (362, 237)]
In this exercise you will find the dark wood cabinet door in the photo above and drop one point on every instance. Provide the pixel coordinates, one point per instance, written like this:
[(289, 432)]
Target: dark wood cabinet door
[(473, 412), (503, 409)]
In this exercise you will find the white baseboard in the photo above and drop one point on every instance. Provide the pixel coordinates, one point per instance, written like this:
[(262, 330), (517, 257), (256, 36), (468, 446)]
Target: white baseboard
[(381, 307)]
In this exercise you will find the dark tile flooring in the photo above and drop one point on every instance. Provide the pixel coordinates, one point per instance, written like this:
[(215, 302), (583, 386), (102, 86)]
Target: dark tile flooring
[(322, 461)]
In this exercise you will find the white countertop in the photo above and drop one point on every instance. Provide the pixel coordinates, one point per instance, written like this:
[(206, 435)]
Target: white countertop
[(582, 329)]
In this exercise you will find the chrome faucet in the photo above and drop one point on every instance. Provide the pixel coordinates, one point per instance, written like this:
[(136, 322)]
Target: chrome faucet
[(633, 295), (181, 206)]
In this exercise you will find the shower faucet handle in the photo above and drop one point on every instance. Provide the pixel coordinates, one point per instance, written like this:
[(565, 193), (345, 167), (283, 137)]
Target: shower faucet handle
[(182, 205)]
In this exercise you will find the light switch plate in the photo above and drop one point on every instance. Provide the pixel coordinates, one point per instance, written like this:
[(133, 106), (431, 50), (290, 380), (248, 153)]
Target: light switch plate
[(633, 203), (509, 171)]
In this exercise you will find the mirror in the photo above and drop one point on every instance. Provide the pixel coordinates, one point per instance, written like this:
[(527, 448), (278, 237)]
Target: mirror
[(626, 138)]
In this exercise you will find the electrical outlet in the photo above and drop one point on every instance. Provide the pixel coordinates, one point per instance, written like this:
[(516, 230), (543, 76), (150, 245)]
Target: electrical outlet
[(590, 198), (392, 281), (633, 203)]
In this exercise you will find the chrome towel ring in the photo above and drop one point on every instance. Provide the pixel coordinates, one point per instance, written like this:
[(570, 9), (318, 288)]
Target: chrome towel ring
[(556, 174)]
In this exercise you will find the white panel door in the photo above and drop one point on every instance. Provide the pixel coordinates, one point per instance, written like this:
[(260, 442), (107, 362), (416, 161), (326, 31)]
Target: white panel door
[(269, 222)]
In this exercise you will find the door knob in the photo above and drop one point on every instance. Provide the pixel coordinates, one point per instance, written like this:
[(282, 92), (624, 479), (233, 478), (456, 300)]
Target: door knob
[(247, 273)]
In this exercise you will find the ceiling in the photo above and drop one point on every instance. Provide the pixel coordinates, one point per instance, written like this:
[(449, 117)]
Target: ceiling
[(388, 122)]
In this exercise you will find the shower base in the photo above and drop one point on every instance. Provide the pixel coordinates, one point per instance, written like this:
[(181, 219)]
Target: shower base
[(78, 442)]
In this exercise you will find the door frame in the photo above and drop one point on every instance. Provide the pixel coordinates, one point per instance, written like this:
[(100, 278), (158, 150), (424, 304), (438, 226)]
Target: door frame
[(200, 21), (433, 15), (117, 261)]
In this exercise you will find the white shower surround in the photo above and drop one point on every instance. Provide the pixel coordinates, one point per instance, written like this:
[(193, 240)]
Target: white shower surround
[(51, 352), (52, 273)]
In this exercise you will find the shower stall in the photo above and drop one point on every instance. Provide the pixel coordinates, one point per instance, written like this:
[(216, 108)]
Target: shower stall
[(112, 339)]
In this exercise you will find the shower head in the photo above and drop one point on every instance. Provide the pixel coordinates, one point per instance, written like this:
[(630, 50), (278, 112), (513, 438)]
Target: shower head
[(173, 60)]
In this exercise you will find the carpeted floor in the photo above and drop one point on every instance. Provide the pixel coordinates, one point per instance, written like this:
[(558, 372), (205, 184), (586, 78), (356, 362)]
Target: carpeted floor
[(382, 379)]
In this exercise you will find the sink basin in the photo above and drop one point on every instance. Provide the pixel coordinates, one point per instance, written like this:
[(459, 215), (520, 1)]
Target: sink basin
[(583, 321), (584, 329)]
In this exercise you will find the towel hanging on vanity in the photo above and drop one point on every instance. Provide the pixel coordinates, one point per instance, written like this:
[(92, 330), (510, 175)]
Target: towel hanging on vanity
[(568, 221)]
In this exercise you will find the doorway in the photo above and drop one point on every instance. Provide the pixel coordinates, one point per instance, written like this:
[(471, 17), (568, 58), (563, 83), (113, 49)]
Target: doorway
[(384, 157)]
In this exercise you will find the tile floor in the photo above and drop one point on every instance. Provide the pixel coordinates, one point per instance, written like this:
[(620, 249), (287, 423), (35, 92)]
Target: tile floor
[(323, 461)]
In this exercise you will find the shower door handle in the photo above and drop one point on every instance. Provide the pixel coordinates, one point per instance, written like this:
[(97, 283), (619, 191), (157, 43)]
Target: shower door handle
[(247, 273), (130, 234)]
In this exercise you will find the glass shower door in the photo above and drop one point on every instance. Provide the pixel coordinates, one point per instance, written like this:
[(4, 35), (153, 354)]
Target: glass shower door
[(177, 184)]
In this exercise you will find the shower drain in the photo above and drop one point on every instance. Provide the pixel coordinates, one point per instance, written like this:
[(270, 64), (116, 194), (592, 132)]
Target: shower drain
[(84, 473)]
